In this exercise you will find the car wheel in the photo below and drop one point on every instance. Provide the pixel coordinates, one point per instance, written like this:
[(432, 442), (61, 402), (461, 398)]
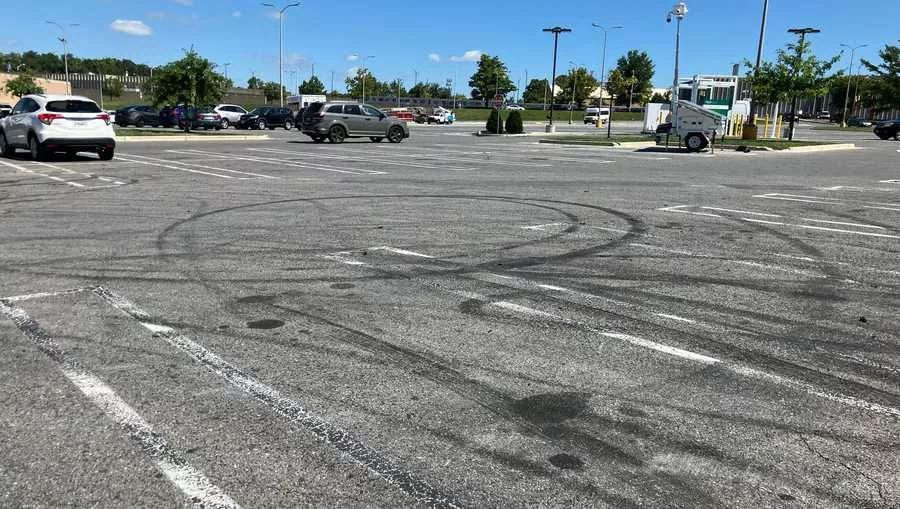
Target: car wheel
[(34, 147), (395, 134), (337, 134), (139, 123), (106, 154), (695, 142), (376, 139), (225, 123), (288, 125), (6, 150), (261, 125), (897, 136)]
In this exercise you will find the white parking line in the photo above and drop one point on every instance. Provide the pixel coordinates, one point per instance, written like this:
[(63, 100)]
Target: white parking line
[(741, 212), (400, 251), (839, 223), (278, 162), (358, 159), (543, 227), (41, 295), (169, 166), (820, 228), (678, 209), (197, 488), (291, 410), (201, 166), (51, 177)]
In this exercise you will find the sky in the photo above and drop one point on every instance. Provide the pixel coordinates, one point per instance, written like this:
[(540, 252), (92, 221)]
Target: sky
[(442, 42)]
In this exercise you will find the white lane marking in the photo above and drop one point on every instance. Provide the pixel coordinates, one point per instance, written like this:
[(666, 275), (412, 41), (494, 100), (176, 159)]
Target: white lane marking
[(226, 170), (839, 223), (169, 166), (891, 181), (676, 318), (821, 228), (400, 251), (358, 159), (799, 198), (51, 177), (883, 208), (678, 209), (553, 288), (542, 227), (198, 489), (276, 162), (341, 257), (741, 212), (41, 295), (665, 250), (290, 409), (701, 358)]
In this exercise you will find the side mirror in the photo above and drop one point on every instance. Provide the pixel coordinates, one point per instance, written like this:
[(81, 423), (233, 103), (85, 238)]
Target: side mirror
[(382, 116)]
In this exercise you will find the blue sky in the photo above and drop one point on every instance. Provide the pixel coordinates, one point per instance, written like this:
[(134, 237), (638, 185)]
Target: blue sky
[(439, 40)]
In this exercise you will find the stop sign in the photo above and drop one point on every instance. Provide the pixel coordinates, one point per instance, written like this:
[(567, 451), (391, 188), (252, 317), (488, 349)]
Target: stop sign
[(498, 100)]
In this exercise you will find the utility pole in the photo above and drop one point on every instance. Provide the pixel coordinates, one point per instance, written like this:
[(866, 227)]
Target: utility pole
[(759, 53), (849, 79), (364, 75), (802, 33), (223, 65), (555, 31), (679, 11), (281, 45), (574, 76), (65, 42), (332, 82), (603, 75)]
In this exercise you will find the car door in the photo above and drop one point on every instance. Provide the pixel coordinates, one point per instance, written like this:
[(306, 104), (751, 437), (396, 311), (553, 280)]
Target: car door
[(354, 119), (20, 119), (151, 116), (376, 122)]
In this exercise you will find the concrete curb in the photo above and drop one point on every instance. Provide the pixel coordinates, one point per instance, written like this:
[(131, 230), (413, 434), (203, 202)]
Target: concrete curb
[(611, 144), (198, 137), (822, 148)]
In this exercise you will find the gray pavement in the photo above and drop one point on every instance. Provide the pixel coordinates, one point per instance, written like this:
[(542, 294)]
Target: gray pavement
[(452, 321)]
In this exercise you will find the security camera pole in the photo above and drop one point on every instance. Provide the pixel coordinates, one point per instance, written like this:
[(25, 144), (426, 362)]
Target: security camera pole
[(849, 79), (281, 45), (65, 42), (555, 31), (802, 33), (679, 12)]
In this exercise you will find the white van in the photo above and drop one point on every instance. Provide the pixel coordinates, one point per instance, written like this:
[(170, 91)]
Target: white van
[(592, 114)]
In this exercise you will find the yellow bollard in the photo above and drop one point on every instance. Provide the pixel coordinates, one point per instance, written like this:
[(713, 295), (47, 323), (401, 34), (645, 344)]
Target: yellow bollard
[(765, 127), (778, 127)]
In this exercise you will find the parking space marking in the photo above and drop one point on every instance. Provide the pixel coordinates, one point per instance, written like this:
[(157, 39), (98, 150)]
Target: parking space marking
[(830, 201), (291, 410), (202, 166), (892, 181), (740, 212), (197, 488), (277, 162), (360, 159), (169, 166), (72, 172), (707, 360), (42, 295), (821, 228), (400, 251), (679, 210), (32, 172), (543, 227)]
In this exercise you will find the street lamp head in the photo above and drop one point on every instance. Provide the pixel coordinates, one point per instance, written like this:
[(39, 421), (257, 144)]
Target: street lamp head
[(680, 10), (806, 30), (557, 30)]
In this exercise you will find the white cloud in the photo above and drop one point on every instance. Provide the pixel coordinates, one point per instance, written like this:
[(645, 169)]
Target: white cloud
[(353, 71), (236, 14), (352, 58), (184, 2), (473, 55), (131, 27), (434, 57)]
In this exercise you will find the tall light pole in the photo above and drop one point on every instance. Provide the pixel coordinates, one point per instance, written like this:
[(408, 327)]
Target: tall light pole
[(802, 33), (574, 86), (849, 79), (679, 12), (759, 53), (603, 64), (362, 74), (65, 42), (223, 65), (281, 45), (555, 31)]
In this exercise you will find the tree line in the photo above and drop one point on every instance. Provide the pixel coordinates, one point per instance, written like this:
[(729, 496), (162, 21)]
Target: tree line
[(52, 63)]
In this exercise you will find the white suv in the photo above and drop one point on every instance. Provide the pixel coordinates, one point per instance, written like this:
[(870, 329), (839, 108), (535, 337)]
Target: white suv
[(43, 124), (230, 113)]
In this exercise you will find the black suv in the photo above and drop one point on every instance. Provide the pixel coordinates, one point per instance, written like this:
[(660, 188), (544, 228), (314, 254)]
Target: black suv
[(261, 118), (889, 129), (137, 115)]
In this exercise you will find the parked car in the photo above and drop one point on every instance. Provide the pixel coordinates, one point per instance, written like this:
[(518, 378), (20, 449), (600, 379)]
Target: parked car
[(787, 117), (271, 117), (859, 122), (515, 107), (170, 116), (230, 113), (206, 118), (593, 113), (889, 129), (339, 121), (5, 109), (824, 115), (44, 124), (137, 115)]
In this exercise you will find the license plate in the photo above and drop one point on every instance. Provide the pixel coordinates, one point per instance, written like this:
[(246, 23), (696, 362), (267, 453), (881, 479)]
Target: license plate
[(79, 123)]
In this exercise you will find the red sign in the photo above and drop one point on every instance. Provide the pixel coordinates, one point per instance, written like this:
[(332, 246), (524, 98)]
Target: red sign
[(498, 100)]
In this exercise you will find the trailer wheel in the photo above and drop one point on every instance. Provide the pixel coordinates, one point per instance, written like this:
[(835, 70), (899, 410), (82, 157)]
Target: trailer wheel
[(695, 142)]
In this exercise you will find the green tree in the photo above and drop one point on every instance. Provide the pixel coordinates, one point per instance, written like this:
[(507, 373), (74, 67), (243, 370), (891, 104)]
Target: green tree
[(619, 86), (514, 123), (584, 84), (796, 72), (537, 92), (255, 83), (390, 88), (192, 80), (662, 98), (23, 85), (312, 86), (495, 122), (355, 83), (113, 87), (273, 90), (886, 86), (43, 63), (637, 65), (492, 77)]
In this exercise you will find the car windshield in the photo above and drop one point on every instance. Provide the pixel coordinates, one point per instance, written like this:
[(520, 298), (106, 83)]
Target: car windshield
[(73, 106)]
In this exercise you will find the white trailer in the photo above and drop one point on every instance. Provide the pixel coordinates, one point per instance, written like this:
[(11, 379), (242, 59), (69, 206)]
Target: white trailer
[(696, 125)]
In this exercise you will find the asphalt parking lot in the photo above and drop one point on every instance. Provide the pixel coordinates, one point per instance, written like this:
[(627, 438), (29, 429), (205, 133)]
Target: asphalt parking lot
[(450, 322)]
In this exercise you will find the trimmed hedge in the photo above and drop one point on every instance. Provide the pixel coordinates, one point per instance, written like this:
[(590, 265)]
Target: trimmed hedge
[(495, 123), (514, 123)]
